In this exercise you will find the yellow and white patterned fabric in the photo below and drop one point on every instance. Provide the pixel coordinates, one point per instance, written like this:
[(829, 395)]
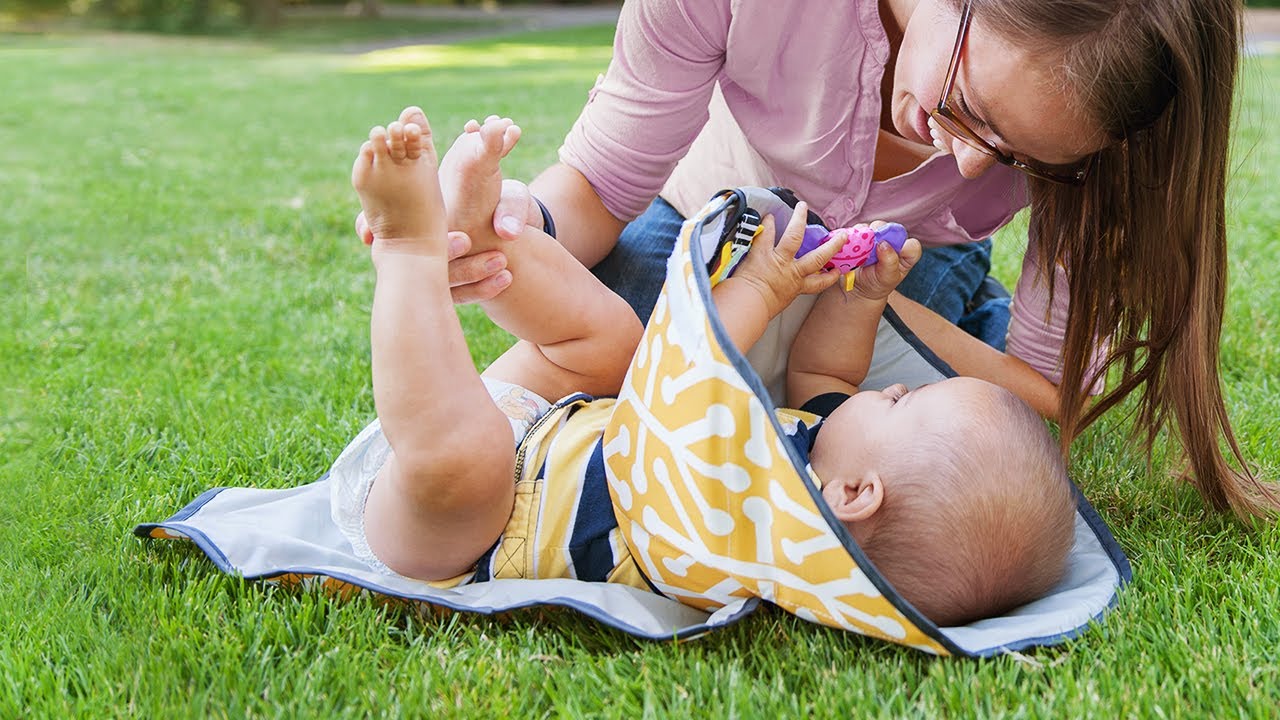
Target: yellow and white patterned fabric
[(707, 494)]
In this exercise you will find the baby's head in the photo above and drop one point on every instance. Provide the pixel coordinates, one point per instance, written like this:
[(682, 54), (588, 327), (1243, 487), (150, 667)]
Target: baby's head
[(956, 492)]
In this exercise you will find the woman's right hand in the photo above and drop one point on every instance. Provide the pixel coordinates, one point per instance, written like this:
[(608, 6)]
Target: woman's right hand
[(482, 276), (472, 278)]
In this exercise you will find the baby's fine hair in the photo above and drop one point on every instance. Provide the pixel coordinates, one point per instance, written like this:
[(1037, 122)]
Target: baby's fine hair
[(983, 522)]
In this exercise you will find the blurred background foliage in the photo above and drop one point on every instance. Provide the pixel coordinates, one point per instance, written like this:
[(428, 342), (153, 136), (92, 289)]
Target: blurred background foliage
[(214, 16), (201, 16)]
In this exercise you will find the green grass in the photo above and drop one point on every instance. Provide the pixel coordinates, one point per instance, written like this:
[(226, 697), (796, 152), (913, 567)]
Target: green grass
[(185, 306)]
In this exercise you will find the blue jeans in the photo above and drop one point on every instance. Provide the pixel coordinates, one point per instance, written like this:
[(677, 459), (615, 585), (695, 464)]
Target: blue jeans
[(637, 266), (952, 281)]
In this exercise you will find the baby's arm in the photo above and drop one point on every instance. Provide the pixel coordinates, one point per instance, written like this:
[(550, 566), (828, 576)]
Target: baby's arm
[(770, 278), (832, 351)]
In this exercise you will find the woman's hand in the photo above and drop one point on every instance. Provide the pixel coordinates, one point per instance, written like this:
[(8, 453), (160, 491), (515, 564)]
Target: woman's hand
[(480, 277), (774, 270), (472, 278)]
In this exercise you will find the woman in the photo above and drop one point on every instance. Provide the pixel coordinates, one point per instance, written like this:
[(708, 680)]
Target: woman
[(1109, 117)]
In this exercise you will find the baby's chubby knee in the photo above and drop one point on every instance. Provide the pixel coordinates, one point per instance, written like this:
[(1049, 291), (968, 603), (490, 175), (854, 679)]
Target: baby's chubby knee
[(456, 470)]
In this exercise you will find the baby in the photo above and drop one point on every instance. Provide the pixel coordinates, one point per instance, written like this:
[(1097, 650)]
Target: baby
[(956, 491), (467, 476)]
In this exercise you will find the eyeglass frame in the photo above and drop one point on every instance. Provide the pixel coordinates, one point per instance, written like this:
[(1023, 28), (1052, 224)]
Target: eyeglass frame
[(947, 118)]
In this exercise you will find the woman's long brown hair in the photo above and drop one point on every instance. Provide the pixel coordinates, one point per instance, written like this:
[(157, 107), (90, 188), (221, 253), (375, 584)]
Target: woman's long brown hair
[(1144, 240)]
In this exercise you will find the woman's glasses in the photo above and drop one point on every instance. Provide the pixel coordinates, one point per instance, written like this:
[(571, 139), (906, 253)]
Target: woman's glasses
[(946, 117)]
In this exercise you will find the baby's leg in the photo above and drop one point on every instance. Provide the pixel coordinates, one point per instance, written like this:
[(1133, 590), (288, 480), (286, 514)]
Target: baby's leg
[(446, 493), (575, 334)]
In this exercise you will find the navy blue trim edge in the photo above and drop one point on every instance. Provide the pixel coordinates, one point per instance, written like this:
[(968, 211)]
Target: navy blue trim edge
[(753, 381), (1118, 559), (1103, 533), (917, 344), (215, 555), (143, 530)]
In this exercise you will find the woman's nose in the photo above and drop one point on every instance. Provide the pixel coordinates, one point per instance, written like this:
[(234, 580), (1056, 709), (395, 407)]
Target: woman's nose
[(971, 161)]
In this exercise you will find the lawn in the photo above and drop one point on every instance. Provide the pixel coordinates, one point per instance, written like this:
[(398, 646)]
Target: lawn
[(185, 306)]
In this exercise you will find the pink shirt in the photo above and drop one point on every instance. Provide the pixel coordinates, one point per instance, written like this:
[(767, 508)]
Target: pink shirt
[(707, 94)]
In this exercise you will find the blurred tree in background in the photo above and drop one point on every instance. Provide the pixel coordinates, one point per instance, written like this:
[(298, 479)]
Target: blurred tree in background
[(159, 15), (198, 16), (192, 15)]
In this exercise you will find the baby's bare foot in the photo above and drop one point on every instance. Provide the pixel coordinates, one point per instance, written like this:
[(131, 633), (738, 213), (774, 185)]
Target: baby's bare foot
[(395, 176), (471, 179)]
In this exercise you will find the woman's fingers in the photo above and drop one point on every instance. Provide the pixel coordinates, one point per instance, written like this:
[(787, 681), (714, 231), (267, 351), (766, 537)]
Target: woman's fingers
[(486, 289), (515, 210), (459, 244), (475, 278)]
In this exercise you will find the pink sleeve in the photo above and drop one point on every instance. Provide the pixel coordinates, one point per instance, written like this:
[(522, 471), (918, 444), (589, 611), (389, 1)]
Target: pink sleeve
[(1038, 329), (641, 118)]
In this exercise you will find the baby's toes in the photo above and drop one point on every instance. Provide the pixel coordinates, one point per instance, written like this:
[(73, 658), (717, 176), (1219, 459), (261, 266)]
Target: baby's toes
[(395, 141), (509, 139), (413, 114), (412, 141), (363, 164), (492, 135), (378, 139), (426, 142)]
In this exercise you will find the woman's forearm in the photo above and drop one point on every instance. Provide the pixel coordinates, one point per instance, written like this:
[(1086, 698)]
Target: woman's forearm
[(583, 225)]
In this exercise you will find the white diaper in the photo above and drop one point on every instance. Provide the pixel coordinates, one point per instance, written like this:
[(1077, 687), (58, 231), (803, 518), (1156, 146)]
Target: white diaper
[(353, 473)]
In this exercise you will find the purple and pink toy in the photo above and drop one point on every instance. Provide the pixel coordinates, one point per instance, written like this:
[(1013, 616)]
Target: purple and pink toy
[(859, 248)]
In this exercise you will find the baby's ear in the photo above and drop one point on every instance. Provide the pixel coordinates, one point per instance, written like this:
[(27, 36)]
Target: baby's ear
[(854, 499)]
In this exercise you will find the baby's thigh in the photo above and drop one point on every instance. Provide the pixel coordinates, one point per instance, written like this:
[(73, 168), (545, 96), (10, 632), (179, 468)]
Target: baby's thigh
[(440, 533), (438, 530), (525, 365)]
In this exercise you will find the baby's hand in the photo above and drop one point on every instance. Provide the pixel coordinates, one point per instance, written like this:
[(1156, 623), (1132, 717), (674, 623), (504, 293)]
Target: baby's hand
[(776, 272), (876, 282)]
